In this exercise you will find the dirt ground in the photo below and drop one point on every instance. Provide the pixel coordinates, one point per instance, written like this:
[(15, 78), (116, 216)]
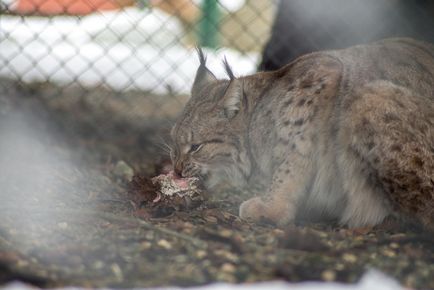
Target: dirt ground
[(69, 217)]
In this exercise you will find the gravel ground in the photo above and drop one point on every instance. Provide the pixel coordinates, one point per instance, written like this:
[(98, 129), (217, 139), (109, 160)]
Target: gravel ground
[(70, 215)]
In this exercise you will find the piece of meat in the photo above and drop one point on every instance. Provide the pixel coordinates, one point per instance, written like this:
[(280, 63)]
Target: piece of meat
[(171, 185), (167, 192)]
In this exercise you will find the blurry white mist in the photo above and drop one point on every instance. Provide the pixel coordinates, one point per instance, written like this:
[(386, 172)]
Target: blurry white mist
[(39, 180)]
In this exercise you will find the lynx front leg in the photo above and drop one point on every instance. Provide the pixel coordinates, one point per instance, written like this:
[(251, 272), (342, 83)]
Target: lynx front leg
[(279, 205)]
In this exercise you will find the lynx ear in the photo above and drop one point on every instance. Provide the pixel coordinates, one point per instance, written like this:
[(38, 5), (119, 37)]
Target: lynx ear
[(203, 75), (232, 99)]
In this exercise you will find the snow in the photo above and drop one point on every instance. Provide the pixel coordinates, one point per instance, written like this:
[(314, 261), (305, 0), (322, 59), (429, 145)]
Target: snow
[(372, 280), (232, 5), (124, 50)]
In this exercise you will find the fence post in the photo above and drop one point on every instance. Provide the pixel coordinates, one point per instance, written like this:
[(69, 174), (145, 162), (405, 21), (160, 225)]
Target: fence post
[(209, 24)]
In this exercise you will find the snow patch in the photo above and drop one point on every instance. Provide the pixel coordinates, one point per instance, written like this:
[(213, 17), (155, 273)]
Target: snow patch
[(129, 49), (372, 280)]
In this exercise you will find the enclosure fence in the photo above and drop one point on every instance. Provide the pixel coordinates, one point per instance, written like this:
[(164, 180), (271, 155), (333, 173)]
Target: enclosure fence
[(143, 52), (98, 47)]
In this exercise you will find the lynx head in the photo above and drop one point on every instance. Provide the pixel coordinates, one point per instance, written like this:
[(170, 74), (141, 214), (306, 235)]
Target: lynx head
[(209, 136)]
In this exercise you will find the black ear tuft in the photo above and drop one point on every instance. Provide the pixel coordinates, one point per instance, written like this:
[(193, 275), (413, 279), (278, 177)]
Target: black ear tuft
[(228, 69), (203, 75), (202, 57)]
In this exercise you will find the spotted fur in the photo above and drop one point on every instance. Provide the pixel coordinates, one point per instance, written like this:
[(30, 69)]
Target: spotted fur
[(346, 134)]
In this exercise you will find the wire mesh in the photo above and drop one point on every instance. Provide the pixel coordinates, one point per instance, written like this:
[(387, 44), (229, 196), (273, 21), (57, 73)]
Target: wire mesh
[(105, 48), (144, 48)]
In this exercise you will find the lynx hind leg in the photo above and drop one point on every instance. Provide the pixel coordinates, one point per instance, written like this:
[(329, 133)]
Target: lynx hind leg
[(391, 130)]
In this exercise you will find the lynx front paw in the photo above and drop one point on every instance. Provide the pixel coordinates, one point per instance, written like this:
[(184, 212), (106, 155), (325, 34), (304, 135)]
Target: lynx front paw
[(256, 210), (253, 210)]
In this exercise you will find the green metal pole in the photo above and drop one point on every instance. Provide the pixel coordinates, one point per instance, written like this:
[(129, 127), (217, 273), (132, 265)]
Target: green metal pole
[(209, 24)]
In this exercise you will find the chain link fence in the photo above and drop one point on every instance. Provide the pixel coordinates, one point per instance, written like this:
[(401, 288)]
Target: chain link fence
[(142, 51)]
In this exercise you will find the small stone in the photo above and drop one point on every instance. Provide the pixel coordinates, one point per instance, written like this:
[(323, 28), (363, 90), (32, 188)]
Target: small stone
[(350, 258), (117, 272), (328, 275), (278, 232), (122, 169), (98, 265), (188, 225), (322, 234), (389, 253), (394, 245), (228, 268), (200, 254), (226, 233), (211, 219), (164, 244), (145, 245), (227, 255)]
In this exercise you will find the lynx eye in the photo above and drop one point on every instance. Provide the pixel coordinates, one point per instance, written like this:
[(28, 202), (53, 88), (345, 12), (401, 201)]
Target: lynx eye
[(195, 148)]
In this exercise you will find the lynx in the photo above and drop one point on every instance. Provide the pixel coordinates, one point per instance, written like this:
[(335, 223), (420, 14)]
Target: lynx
[(346, 135)]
